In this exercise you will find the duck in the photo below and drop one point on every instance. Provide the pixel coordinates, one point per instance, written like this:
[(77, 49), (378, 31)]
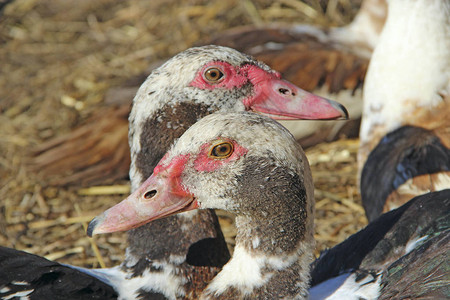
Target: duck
[(232, 151), (330, 62), (194, 83), (251, 166), (406, 107)]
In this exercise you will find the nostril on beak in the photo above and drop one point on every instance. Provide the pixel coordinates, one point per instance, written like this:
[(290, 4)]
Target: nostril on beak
[(285, 91), (150, 194)]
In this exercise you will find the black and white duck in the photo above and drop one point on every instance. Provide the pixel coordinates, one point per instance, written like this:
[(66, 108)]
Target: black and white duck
[(194, 83), (251, 166)]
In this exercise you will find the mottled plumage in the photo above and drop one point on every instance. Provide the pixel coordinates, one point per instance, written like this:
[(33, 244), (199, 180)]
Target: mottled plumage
[(267, 183)]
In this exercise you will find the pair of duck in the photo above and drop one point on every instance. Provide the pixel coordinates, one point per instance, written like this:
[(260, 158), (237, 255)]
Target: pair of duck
[(330, 62), (251, 166)]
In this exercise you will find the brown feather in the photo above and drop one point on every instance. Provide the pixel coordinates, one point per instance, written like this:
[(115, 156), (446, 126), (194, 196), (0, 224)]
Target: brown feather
[(95, 152)]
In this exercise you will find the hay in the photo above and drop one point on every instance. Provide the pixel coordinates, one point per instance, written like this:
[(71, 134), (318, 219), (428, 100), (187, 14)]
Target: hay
[(59, 58)]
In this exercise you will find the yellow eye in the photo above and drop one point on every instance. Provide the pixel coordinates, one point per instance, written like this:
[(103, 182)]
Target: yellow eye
[(222, 150), (213, 75)]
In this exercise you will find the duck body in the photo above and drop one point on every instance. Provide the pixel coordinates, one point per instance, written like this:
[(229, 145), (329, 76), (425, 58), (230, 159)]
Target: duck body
[(267, 183), (404, 154), (413, 160), (404, 160)]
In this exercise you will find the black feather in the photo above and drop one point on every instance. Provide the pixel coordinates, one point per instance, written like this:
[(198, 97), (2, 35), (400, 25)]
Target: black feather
[(401, 155)]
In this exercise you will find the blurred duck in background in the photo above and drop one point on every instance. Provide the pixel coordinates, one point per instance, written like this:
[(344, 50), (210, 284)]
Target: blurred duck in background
[(405, 130)]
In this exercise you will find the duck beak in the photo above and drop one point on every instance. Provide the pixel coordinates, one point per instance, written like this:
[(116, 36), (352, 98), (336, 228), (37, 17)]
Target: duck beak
[(279, 99), (159, 196)]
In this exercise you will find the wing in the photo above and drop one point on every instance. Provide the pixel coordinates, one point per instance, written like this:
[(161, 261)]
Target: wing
[(24, 274)]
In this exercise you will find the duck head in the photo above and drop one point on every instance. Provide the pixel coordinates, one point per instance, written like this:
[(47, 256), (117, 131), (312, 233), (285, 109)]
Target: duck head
[(206, 168)]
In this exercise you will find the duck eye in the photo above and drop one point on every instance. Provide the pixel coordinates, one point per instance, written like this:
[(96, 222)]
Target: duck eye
[(222, 150), (213, 75)]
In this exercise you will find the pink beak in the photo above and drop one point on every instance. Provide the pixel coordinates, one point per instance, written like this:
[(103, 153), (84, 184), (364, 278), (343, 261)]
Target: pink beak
[(159, 196), (282, 100)]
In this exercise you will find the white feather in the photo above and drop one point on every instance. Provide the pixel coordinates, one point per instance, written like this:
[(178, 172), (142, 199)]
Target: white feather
[(345, 287)]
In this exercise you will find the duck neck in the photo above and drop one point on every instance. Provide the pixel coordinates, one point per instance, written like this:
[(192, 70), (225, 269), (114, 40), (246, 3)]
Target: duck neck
[(274, 242), (269, 260), (189, 246)]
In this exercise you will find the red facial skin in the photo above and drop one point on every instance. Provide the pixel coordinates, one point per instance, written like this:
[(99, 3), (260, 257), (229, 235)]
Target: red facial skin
[(232, 77), (271, 96), (204, 163), (162, 194)]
